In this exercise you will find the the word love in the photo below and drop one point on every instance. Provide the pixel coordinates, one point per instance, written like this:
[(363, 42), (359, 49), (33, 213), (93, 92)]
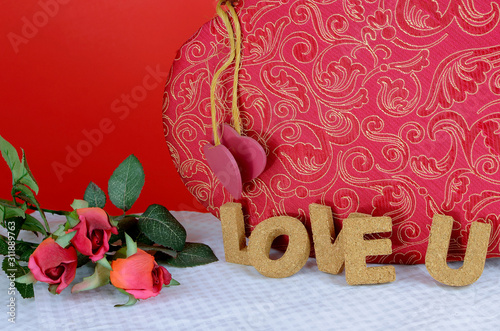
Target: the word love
[(349, 249)]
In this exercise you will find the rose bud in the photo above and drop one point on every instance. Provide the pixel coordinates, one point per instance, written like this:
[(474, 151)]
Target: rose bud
[(139, 275), (92, 233), (52, 264)]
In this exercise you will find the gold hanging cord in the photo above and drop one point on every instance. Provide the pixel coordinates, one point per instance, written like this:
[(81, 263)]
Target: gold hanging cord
[(234, 55)]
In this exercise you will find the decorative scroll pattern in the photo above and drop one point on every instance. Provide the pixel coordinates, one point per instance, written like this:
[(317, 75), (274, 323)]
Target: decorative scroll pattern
[(384, 107)]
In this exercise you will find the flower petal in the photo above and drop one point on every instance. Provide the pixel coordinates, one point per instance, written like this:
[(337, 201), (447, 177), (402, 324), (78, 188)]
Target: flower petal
[(142, 294), (80, 240), (67, 277), (133, 272), (96, 218), (167, 277), (92, 220), (49, 259), (37, 271)]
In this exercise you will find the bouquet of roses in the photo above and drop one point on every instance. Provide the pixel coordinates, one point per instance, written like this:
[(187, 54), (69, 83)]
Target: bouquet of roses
[(124, 249)]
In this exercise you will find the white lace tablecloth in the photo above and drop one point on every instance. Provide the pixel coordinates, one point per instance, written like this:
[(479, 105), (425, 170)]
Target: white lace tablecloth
[(225, 296)]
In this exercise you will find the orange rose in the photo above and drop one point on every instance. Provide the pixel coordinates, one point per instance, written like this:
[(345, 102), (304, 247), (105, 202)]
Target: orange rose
[(92, 233), (52, 264), (139, 275)]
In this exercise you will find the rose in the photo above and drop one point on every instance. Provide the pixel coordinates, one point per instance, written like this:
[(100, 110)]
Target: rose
[(52, 264), (92, 233), (139, 275)]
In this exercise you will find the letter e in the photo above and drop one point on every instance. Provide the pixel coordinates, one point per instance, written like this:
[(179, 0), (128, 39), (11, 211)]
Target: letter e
[(357, 249)]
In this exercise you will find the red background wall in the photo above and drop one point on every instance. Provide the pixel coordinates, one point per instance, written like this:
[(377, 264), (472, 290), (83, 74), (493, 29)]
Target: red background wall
[(78, 92)]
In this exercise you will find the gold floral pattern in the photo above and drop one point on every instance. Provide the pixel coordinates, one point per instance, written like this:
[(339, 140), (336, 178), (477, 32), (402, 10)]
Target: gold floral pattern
[(384, 107)]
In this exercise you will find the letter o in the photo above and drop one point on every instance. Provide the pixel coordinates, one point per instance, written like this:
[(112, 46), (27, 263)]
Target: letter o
[(296, 254)]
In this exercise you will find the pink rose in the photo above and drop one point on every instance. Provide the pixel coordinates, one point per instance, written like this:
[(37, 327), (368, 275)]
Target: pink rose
[(93, 233), (52, 264), (139, 275)]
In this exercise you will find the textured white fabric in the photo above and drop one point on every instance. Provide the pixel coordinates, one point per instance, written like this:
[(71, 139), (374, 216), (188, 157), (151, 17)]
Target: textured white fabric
[(224, 296)]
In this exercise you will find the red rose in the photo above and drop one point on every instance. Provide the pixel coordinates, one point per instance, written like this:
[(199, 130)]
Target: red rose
[(139, 275), (92, 233), (52, 264)]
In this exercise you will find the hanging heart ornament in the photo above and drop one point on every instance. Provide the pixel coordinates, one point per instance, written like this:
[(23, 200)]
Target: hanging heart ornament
[(233, 158)]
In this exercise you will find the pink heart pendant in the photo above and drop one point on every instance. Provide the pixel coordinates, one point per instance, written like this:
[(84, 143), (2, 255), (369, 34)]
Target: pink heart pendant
[(248, 153), (236, 160), (225, 168)]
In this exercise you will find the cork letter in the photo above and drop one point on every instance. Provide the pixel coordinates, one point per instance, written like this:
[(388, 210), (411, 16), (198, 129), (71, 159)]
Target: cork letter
[(437, 250), (296, 254), (329, 256), (233, 233), (357, 249)]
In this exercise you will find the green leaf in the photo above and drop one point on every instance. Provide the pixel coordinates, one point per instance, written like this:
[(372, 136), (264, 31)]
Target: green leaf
[(126, 224), (26, 279), (129, 225), (2, 214), (25, 255), (131, 245), (21, 248), (72, 219), (115, 237), (194, 254), (25, 176), (104, 263), (21, 173), (14, 225), (100, 277), (78, 204), (11, 156), (173, 282), (120, 254), (9, 264), (24, 193), (161, 227), (131, 300), (126, 182), (14, 212), (24, 250), (8, 209), (141, 238), (4, 248), (26, 290), (32, 224), (82, 259), (113, 222), (95, 196), (61, 231), (64, 240), (13, 270), (164, 250), (53, 288)]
